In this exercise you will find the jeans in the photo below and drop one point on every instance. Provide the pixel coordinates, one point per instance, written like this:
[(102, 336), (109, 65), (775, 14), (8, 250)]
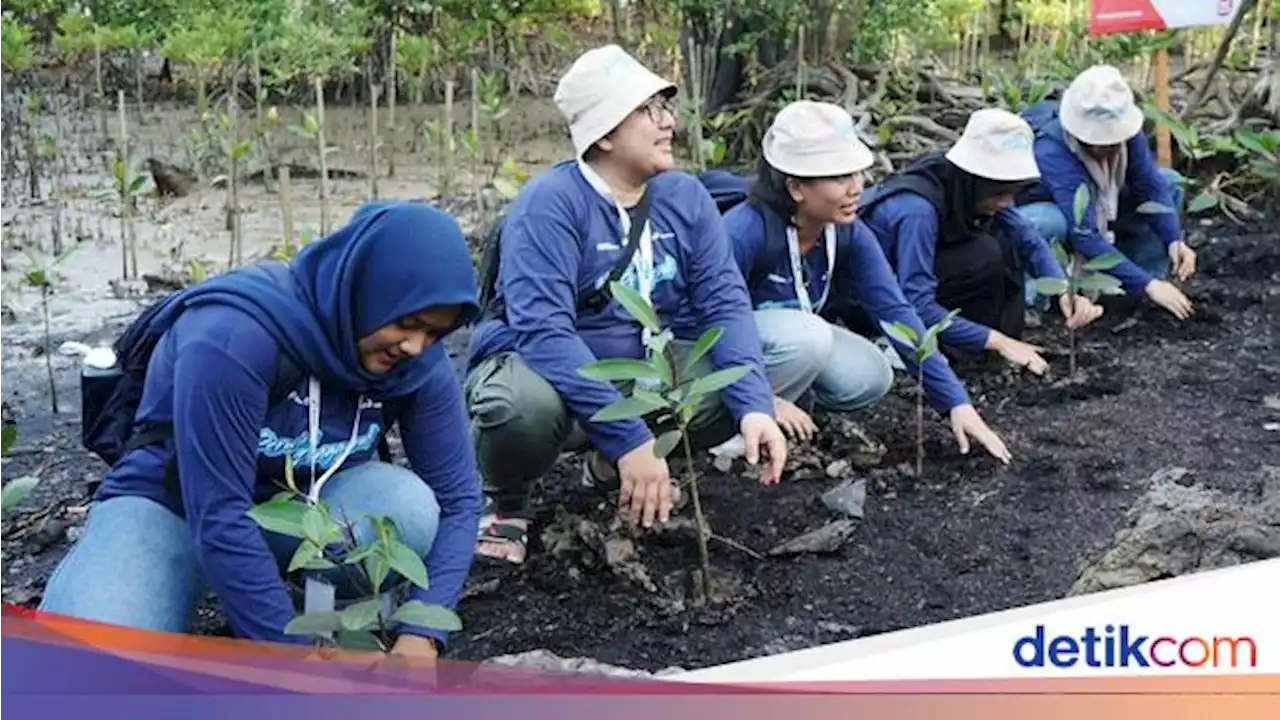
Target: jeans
[(520, 425), (804, 352), (137, 565), (1135, 237)]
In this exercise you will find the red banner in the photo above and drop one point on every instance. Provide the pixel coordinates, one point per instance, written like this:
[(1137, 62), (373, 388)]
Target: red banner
[(1119, 16)]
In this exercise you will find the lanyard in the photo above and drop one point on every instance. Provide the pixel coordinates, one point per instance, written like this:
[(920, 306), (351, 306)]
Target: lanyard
[(643, 259), (797, 272), (313, 429)]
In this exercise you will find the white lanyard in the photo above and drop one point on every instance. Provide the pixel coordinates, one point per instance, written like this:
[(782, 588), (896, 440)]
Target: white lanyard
[(313, 427), (643, 259), (797, 273)]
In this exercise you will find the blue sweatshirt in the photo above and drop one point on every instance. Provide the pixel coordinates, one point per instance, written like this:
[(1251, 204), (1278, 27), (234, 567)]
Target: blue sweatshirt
[(861, 269), (907, 227), (1061, 172), (209, 376), (562, 238)]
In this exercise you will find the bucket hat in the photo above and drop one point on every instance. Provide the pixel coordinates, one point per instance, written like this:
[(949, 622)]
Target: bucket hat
[(815, 139), (602, 87), (996, 145), (1098, 108)]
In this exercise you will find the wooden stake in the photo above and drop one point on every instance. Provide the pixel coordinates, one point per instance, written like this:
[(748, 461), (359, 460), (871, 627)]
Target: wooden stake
[(233, 199), (392, 81), (324, 157), (374, 92), (129, 247), (1164, 141), (286, 205), (475, 131), (446, 139)]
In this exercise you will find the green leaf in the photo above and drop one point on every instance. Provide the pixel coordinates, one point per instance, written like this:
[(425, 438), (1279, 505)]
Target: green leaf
[(308, 557), (701, 348), (361, 615), (1203, 201), (1151, 207), (314, 623), (15, 490), (436, 617), (717, 380), (358, 555), (636, 306), (357, 640), (901, 332), (666, 442), (8, 436), (1051, 286), (637, 405), (406, 562), (313, 526), (1081, 203), (280, 515), (376, 567), (611, 369), (1105, 261), (1101, 283), (1060, 254)]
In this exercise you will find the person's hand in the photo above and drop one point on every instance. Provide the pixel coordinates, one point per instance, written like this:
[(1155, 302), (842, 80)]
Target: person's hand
[(1083, 313), (1184, 260), (645, 486), (793, 420), (1170, 298), (761, 433), (1019, 353), (967, 423)]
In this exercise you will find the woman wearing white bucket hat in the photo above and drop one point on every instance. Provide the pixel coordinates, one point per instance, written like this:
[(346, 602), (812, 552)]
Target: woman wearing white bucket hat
[(946, 225), (1094, 137), (615, 211), (799, 241)]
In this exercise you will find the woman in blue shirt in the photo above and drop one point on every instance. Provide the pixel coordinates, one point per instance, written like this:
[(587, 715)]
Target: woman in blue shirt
[(799, 244), (947, 227), (359, 315)]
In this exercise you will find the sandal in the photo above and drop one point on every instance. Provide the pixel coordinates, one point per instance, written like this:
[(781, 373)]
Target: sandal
[(494, 529)]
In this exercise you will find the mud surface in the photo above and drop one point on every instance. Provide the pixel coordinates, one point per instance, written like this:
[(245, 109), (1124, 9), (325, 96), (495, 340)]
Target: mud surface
[(966, 538)]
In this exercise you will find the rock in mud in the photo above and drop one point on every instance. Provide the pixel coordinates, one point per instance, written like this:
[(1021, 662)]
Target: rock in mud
[(549, 663), (1178, 527), (848, 498), (826, 539)]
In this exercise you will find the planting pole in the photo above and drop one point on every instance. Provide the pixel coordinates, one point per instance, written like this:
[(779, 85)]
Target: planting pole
[(55, 177), (233, 200), (324, 162), (478, 145), (97, 71), (1164, 142), (446, 139), (128, 251)]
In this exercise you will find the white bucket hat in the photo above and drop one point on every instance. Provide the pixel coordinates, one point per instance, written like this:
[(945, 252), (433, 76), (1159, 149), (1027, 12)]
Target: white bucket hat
[(996, 145), (1098, 108), (815, 139), (600, 89)]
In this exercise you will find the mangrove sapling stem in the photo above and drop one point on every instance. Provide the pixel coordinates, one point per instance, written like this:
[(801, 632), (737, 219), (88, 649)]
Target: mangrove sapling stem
[(286, 205), (391, 103), (703, 555), (479, 145), (446, 139), (48, 344), (129, 250), (233, 200)]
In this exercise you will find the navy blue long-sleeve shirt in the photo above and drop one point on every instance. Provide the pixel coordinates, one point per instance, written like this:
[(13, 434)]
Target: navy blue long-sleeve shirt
[(906, 225), (562, 238), (869, 281), (1061, 173), (209, 375)]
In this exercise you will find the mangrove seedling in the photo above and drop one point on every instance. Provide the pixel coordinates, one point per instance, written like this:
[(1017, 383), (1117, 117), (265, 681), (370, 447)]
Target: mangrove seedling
[(328, 543), (18, 488), (922, 348), (666, 389)]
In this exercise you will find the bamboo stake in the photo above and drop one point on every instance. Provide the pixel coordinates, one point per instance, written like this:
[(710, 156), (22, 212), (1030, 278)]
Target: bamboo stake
[(129, 248), (479, 146), (392, 81), (1164, 141), (446, 140), (374, 92), (324, 158), (236, 255), (286, 205)]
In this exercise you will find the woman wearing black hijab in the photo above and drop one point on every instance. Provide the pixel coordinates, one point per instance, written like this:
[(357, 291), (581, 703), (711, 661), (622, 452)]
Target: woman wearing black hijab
[(947, 227)]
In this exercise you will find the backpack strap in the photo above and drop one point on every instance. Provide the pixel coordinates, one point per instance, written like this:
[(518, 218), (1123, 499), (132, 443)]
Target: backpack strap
[(596, 301)]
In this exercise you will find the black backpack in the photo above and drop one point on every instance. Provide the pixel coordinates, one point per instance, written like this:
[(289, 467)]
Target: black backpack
[(726, 189), (109, 397)]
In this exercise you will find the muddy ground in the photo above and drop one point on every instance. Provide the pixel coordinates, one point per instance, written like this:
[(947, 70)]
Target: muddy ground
[(966, 538)]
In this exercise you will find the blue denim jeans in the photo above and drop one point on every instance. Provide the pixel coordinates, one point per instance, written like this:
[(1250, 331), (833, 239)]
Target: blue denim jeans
[(1134, 235), (804, 352), (136, 564)]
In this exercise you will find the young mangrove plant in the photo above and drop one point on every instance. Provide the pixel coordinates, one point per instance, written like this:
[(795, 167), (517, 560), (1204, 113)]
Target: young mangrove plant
[(328, 544), (665, 388), (18, 488), (922, 348), (1086, 277)]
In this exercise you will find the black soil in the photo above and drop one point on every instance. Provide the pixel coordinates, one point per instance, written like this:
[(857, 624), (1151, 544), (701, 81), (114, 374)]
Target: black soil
[(969, 537)]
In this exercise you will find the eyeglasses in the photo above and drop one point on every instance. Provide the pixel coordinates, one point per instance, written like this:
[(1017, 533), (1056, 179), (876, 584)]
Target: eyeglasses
[(656, 108)]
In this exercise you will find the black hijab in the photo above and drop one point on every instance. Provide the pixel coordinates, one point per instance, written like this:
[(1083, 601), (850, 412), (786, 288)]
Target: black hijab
[(954, 192)]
